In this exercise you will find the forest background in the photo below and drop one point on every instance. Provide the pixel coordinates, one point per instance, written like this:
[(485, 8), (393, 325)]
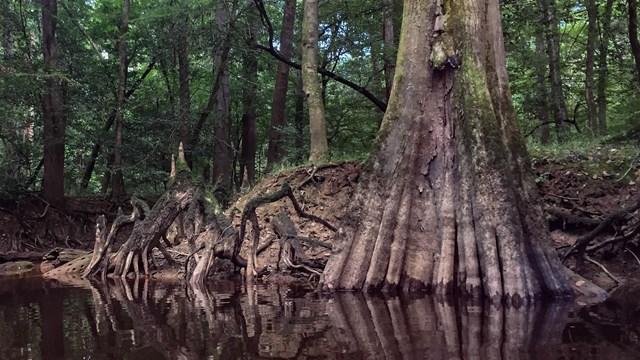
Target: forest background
[(133, 80)]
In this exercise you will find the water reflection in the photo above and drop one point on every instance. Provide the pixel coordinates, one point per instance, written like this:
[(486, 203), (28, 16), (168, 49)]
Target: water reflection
[(145, 320)]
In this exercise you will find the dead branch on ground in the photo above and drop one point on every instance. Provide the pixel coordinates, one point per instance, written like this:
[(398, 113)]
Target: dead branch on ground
[(581, 245)]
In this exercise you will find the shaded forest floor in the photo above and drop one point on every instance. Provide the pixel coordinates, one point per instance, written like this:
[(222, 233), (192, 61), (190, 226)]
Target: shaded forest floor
[(587, 185)]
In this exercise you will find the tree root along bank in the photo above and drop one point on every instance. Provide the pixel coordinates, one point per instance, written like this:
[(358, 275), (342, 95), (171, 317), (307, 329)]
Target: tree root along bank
[(209, 236)]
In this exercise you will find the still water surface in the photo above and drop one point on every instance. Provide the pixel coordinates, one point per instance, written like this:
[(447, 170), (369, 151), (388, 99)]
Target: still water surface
[(43, 320)]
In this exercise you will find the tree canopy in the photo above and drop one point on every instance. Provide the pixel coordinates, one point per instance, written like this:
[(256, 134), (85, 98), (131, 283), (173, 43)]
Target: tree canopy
[(171, 42)]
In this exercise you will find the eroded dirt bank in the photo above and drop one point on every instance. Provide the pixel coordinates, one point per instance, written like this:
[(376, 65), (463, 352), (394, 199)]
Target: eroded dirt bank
[(577, 201)]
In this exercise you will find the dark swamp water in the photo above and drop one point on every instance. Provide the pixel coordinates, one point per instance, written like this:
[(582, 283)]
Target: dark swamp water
[(145, 320)]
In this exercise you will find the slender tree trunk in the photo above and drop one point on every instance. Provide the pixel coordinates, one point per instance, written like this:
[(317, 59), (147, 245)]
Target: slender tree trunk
[(298, 120), (52, 110), (602, 68), (91, 163), (633, 34), (313, 92), (389, 45), (222, 127), (553, 50), (185, 92), (542, 92), (592, 35), (248, 151), (222, 50), (6, 43), (117, 179), (279, 103), (446, 201)]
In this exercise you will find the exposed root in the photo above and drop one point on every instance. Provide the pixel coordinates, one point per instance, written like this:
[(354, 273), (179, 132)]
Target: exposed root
[(103, 244), (249, 214), (604, 269), (581, 244), (633, 254)]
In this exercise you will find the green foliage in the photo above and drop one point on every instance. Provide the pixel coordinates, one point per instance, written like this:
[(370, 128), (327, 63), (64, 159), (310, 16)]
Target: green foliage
[(522, 24), (350, 45), (597, 158)]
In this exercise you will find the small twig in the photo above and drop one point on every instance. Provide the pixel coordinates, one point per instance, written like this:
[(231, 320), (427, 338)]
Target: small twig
[(634, 254), (630, 167), (310, 178), (45, 210), (561, 197), (6, 210), (604, 269), (177, 252)]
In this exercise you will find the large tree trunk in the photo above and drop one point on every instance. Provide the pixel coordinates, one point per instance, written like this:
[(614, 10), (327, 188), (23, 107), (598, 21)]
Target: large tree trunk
[(389, 45), (592, 35), (117, 179), (602, 68), (633, 34), (553, 50), (54, 118), (446, 202), (279, 103), (221, 176), (317, 126)]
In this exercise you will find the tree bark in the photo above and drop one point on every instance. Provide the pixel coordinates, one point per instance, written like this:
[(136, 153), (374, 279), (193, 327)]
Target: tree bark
[(446, 202), (389, 45), (279, 103), (248, 151), (633, 34), (298, 120), (317, 125), (592, 35), (117, 179), (221, 175), (185, 92), (553, 50), (603, 68), (542, 96), (52, 110)]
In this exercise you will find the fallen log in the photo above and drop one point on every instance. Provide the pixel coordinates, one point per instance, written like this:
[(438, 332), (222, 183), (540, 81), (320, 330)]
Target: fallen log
[(22, 256)]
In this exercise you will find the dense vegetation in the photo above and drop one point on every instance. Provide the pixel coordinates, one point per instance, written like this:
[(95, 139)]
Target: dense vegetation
[(200, 71)]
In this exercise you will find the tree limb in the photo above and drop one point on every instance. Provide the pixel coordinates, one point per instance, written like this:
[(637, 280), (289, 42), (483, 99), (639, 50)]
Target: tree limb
[(276, 54)]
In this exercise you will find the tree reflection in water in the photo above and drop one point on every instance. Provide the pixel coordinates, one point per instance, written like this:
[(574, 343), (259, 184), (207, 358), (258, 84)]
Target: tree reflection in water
[(147, 320), (267, 323), (398, 328)]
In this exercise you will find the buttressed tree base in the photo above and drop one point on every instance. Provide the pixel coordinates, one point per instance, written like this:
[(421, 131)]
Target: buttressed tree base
[(446, 202)]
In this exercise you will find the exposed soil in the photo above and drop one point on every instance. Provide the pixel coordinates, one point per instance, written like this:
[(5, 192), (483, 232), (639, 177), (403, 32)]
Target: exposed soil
[(591, 196), (31, 224), (325, 192)]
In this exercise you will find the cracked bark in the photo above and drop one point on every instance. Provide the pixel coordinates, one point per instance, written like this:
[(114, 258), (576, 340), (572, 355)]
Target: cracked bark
[(447, 203)]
